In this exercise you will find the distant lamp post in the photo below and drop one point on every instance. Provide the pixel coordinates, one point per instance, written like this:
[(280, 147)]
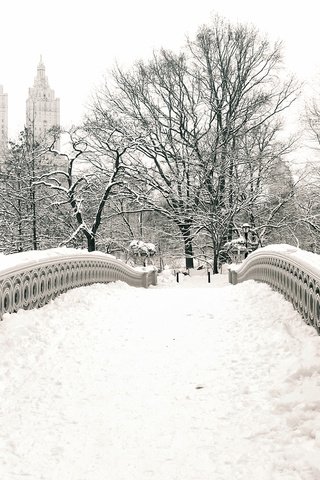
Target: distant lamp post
[(246, 229)]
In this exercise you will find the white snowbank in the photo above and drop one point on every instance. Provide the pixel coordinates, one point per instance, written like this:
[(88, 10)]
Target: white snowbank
[(186, 381), (37, 256), (313, 259), (301, 257)]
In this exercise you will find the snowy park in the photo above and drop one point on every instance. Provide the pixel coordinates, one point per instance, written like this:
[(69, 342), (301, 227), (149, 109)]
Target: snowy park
[(160, 241), (190, 380)]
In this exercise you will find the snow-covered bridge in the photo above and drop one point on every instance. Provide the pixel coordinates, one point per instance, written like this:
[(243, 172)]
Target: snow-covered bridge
[(184, 380)]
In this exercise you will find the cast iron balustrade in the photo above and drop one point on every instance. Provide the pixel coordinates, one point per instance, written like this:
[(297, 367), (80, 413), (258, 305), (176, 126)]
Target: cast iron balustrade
[(34, 283), (296, 279)]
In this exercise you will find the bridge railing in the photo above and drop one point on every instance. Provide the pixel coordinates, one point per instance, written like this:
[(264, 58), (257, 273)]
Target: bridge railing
[(290, 271), (34, 282)]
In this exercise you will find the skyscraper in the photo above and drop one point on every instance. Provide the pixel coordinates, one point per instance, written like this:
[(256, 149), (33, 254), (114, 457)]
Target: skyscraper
[(3, 120), (42, 108)]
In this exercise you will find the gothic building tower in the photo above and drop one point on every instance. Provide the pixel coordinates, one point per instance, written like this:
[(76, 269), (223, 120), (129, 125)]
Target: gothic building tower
[(43, 109), (3, 120)]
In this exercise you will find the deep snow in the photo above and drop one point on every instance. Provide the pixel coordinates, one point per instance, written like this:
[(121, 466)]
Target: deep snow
[(188, 381)]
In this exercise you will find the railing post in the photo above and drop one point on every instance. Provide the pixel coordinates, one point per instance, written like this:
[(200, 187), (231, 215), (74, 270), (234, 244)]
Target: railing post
[(232, 275), (153, 277), (144, 280)]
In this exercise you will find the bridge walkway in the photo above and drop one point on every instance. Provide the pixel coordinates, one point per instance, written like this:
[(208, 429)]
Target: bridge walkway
[(180, 381)]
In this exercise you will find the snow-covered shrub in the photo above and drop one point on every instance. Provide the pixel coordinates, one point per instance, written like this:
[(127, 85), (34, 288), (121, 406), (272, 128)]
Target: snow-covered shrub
[(141, 250), (234, 250)]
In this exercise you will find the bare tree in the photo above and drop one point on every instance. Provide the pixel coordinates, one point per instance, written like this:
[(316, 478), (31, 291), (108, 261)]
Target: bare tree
[(308, 197), (158, 103), (193, 113), (26, 216), (92, 177)]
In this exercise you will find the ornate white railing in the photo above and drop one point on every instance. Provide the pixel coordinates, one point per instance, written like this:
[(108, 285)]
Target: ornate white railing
[(288, 270), (33, 283)]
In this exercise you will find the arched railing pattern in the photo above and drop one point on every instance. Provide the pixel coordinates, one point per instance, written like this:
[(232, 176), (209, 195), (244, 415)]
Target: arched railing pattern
[(298, 281), (32, 284)]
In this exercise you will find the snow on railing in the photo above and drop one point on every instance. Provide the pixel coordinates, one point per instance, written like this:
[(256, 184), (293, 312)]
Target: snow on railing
[(293, 272), (31, 279)]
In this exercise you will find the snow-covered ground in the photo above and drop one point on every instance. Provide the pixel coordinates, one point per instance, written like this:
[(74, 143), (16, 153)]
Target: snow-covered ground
[(188, 381)]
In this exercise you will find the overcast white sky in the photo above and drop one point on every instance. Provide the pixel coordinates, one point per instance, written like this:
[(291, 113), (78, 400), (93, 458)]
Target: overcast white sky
[(80, 40)]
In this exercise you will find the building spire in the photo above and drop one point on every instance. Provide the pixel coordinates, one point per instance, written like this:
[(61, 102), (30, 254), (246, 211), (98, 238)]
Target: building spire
[(43, 109), (41, 67)]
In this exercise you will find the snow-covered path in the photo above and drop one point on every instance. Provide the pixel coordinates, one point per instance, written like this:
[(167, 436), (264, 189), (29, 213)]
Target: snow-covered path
[(183, 381)]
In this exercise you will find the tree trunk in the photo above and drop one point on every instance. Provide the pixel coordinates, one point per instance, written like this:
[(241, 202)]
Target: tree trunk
[(91, 243), (185, 229), (20, 233), (215, 265), (34, 227)]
